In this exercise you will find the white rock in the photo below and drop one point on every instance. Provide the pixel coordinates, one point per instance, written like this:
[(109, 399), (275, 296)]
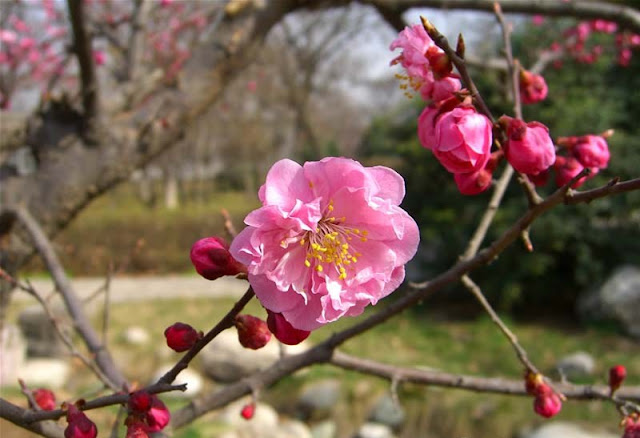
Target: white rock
[(13, 350), (374, 430), (192, 378), (576, 365), (50, 373), (565, 430), (136, 335)]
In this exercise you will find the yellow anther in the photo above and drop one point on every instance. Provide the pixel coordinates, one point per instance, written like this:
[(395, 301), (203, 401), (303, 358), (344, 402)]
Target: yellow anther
[(354, 259), (307, 263), (302, 241), (319, 268)]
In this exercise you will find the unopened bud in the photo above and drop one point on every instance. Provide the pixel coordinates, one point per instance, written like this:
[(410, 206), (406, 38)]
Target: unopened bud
[(284, 331), (546, 403), (158, 415), (181, 337), (252, 332), (248, 411), (139, 402), (79, 425), (211, 258), (617, 375), (631, 425), (45, 399)]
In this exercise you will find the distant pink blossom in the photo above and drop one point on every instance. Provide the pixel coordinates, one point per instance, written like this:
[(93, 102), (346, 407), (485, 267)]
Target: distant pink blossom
[(414, 42), (8, 36), (99, 57), (533, 88), (537, 20), (529, 148), (329, 239), (462, 140), (592, 151)]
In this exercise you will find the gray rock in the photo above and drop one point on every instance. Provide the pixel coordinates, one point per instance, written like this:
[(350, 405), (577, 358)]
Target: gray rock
[(293, 429), (192, 378), (324, 429), (387, 412), (41, 336), (262, 425), (618, 299), (374, 430), (136, 335), (225, 360), (564, 430), (318, 399), (13, 350), (51, 373), (577, 365)]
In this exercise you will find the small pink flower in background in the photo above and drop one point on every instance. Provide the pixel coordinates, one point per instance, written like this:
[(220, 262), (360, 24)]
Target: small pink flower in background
[(181, 337), (617, 374), (99, 57), (212, 259), (414, 43), (537, 20), (252, 86), (158, 416), (8, 36), (529, 148), (533, 88), (283, 331), (566, 169), (253, 332), (592, 151), (248, 411), (462, 140), (329, 239), (45, 399), (78, 424)]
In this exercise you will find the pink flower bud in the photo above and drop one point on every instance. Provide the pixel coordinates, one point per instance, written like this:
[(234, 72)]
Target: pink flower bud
[(439, 89), (139, 401), (631, 426), (252, 332), (566, 169), (248, 411), (462, 140), (592, 151), (99, 57), (426, 126), (181, 337), (45, 399), (211, 258), (79, 425), (546, 403), (473, 183), (617, 375), (533, 88), (158, 415), (284, 331), (439, 62), (137, 429), (529, 148)]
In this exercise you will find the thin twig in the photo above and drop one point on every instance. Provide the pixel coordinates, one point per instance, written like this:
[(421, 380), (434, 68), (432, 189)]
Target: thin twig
[(228, 224), (225, 323)]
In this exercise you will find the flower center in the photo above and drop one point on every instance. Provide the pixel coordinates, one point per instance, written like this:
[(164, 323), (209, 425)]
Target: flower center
[(329, 244)]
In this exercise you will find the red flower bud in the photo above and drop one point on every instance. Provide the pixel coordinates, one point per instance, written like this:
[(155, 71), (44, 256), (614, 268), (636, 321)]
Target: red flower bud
[(473, 183), (181, 337), (252, 332), (211, 258), (546, 403), (631, 426), (284, 331), (79, 425), (248, 411), (617, 374), (529, 148), (566, 169), (45, 399), (158, 416), (137, 429), (139, 402)]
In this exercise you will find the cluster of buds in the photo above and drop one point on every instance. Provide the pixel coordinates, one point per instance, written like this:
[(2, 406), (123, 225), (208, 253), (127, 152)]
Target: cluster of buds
[(147, 414), (451, 127), (78, 424), (587, 151), (631, 424), (181, 337), (546, 402)]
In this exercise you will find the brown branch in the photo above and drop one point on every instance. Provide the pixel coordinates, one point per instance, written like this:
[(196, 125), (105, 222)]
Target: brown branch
[(74, 307), (614, 187), (15, 414), (511, 337), (626, 16), (225, 323), (494, 385), (84, 53)]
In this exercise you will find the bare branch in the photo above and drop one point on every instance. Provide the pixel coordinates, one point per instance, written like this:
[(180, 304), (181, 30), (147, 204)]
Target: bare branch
[(15, 415)]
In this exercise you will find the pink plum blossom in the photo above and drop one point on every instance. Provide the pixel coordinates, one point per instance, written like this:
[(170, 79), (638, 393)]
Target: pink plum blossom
[(439, 89), (566, 169), (592, 151), (283, 331), (329, 239), (463, 140), (426, 126), (414, 42), (529, 148), (533, 88)]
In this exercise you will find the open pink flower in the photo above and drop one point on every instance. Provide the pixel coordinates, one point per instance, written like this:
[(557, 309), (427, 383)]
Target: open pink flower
[(329, 240), (414, 42)]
